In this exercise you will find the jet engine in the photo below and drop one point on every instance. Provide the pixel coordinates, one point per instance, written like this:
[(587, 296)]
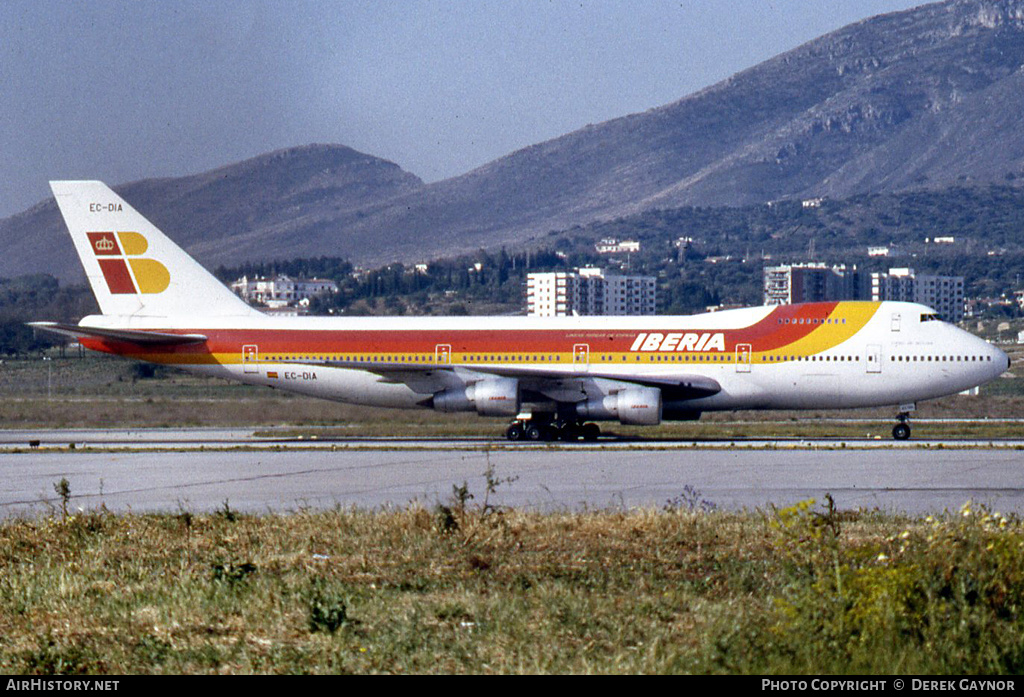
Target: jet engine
[(491, 397), (638, 406)]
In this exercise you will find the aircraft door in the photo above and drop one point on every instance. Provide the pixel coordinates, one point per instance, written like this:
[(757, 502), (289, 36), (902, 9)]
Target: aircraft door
[(581, 357), (895, 326), (743, 352), (250, 358), (443, 354), (873, 359)]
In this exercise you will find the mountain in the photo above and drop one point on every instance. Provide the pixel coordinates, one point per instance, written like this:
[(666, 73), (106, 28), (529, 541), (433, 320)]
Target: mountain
[(926, 97), (930, 97), (248, 210)]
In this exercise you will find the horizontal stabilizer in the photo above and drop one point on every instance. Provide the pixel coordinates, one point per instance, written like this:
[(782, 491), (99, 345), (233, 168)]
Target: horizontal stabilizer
[(133, 336)]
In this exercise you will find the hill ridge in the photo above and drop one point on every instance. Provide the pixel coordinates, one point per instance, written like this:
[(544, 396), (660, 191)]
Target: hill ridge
[(922, 98)]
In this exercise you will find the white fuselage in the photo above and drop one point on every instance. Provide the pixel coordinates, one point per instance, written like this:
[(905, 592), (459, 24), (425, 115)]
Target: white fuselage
[(853, 355)]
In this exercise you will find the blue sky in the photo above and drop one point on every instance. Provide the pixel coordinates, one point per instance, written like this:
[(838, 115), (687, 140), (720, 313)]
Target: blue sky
[(125, 90)]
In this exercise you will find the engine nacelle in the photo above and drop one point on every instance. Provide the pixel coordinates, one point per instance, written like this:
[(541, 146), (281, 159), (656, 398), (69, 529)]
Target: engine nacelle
[(491, 397), (638, 406), (453, 400), (496, 396)]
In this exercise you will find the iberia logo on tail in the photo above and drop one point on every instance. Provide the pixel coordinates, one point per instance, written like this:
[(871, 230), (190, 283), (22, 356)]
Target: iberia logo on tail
[(124, 268)]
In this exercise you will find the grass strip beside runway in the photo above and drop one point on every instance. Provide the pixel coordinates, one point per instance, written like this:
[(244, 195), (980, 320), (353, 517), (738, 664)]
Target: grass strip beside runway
[(468, 587)]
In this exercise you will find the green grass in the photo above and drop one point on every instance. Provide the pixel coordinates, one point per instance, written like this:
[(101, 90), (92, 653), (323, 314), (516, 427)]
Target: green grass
[(457, 589)]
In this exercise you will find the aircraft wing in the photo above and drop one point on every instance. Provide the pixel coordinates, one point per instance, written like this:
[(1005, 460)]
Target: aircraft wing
[(674, 386), (133, 336)]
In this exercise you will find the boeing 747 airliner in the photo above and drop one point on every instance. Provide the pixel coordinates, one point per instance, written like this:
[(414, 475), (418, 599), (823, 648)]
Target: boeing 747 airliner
[(553, 377)]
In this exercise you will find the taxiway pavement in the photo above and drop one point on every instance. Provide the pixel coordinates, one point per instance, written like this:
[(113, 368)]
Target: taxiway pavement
[(201, 470)]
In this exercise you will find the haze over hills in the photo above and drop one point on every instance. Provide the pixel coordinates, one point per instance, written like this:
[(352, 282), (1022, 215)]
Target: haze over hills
[(930, 97), (256, 209)]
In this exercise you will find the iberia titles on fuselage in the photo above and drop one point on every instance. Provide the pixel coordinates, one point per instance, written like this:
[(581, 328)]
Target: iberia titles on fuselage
[(551, 374)]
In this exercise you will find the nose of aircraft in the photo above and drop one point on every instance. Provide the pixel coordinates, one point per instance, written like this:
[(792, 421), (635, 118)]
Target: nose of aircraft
[(998, 362), (1001, 359)]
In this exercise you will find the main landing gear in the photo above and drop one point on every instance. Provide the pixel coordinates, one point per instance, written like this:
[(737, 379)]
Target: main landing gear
[(538, 430)]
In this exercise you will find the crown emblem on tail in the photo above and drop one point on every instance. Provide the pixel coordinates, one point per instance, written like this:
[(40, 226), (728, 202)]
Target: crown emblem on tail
[(124, 268)]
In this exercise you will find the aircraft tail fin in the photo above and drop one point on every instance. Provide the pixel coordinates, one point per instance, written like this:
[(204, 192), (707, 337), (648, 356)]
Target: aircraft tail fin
[(133, 268)]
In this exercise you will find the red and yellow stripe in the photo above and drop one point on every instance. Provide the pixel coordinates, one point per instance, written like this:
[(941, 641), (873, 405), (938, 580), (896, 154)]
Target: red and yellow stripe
[(787, 332)]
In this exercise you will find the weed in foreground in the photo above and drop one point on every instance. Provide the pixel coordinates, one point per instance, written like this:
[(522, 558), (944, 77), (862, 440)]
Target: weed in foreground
[(942, 596), (328, 611), (63, 490), (692, 500), (232, 574)]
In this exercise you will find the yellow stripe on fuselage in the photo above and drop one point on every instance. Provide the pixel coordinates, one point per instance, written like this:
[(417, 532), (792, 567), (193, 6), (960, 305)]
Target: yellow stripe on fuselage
[(828, 336)]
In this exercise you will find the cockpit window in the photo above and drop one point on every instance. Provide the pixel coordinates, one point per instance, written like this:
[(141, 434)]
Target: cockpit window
[(930, 317)]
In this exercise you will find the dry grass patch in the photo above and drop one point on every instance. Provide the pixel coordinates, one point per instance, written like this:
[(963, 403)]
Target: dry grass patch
[(472, 588)]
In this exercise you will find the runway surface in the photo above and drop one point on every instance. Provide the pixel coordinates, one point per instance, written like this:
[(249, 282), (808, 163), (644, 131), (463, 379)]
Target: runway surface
[(221, 438), (165, 470)]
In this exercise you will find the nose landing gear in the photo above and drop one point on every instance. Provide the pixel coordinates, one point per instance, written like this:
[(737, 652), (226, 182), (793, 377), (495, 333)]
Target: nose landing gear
[(901, 431)]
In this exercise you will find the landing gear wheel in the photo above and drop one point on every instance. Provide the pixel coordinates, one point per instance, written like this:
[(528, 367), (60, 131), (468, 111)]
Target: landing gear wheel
[(569, 433), (515, 432), (901, 431), (590, 432), (534, 432)]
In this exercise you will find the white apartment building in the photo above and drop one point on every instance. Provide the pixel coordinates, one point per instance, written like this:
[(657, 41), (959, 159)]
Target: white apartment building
[(786, 284), (945, 294), (281, 290), (610, 245), (814, 282), (589, 292)]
